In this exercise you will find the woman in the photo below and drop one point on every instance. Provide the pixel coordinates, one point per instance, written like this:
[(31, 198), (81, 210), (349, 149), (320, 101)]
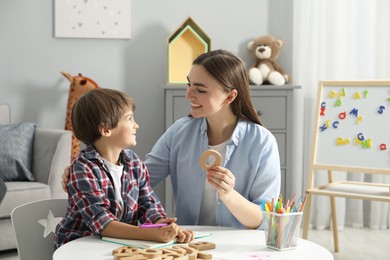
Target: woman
[(222, 118)]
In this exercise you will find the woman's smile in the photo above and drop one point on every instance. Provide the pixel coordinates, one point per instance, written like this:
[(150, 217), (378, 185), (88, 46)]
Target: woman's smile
[(195, 106)]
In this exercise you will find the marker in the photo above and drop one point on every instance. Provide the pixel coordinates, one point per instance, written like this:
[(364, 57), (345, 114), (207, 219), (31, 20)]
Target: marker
[(281, 201), (269, 203), (153, 225), (292, 200), (303, 204)]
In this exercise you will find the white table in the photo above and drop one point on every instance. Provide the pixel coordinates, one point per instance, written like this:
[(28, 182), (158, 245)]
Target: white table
[(230, 243)]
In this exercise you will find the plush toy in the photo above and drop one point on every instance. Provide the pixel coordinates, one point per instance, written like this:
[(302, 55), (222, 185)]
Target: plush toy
[(266, 50), (79, 85)]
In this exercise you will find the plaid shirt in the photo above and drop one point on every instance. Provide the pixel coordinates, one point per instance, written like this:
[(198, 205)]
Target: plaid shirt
[(91, 196)]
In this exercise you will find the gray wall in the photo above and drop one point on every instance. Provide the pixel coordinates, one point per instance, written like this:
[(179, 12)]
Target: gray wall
[(31, 58)]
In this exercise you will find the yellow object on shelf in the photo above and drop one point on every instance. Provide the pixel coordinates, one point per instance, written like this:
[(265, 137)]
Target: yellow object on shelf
[(184, 45)]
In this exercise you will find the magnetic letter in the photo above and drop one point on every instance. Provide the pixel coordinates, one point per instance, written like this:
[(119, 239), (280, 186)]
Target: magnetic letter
[(365, 93), (341, 141), (322, 113), (381, 109), (338, 103), (342, 115), (343, 91), (357, 141), (354, 112), (357, 95), (367, 143)]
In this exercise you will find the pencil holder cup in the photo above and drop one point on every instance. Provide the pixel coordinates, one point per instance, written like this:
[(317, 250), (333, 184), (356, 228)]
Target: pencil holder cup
[(282, 230)]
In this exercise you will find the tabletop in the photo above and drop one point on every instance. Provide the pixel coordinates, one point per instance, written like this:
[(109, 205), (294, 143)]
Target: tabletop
[(231, 243)]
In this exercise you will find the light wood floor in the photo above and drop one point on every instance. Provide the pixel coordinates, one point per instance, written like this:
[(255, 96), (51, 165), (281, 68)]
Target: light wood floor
[(355, 244)]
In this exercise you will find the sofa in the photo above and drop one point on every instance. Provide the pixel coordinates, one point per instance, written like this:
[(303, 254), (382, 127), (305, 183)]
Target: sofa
[(50, 154)]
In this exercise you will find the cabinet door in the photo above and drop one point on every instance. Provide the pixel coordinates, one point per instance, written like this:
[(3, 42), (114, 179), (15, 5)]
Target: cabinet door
[(272, 110), (272, 106), (176, 105)]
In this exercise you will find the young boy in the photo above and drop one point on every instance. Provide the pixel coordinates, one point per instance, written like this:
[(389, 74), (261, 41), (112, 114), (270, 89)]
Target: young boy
[(109, 190)]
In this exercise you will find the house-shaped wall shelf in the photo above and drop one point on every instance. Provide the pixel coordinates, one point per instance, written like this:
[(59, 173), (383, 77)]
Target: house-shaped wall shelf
[(184, 45)]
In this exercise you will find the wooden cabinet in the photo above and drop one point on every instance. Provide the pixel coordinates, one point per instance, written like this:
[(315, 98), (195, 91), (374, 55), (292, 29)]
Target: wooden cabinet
[(273, 103)]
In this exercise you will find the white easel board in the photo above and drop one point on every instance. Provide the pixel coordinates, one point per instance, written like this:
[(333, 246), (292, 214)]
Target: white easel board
[(352, 126)]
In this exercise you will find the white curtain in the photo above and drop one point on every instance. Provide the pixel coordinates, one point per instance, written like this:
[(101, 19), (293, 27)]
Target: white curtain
[(339, 40)]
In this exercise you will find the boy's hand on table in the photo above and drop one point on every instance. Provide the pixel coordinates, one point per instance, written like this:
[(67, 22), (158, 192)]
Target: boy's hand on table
[(183, 235)]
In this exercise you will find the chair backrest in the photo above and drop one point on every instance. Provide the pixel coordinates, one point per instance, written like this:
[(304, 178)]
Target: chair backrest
[(34, 226), (5, 114)]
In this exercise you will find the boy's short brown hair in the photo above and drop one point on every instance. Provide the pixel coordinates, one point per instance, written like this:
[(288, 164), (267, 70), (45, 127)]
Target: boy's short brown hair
[(98, 107)]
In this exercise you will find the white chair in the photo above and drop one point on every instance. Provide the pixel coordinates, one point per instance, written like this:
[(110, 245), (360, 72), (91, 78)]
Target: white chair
[(34, 226)]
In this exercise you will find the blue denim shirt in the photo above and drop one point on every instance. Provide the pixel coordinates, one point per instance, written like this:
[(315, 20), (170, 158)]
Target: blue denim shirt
[(251, 155)]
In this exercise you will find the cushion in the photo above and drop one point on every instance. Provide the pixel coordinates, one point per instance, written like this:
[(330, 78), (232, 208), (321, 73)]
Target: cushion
[(16, 142)]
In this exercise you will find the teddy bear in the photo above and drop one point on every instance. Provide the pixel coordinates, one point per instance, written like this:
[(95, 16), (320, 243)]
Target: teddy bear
[(266, 50)]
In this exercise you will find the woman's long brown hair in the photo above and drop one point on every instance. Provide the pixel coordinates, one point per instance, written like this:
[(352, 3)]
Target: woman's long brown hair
[(231, 72)]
